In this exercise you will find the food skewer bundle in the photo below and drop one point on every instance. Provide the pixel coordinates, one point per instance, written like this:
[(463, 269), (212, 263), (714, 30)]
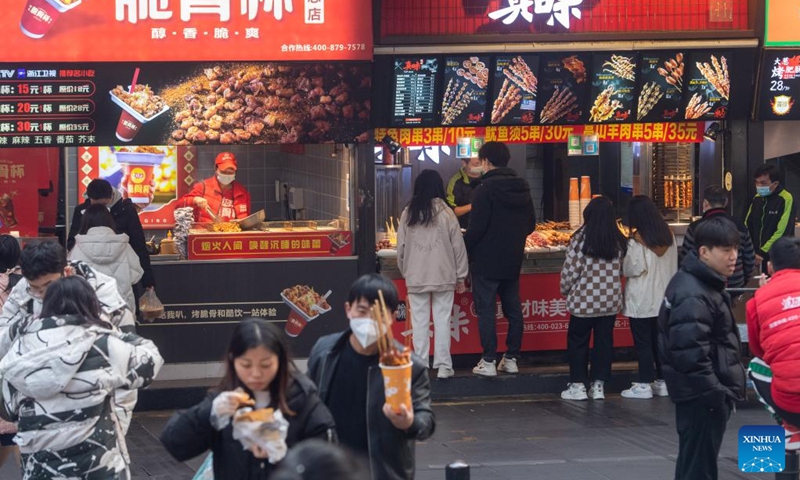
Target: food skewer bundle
[(651, 94), (390, 355), (604, 107), (519, 73), (508, 98), (697, 107), (575, 67), (623, 67), (456, 99), (717, 76), (561, 103), (673, 71), (551, 225)]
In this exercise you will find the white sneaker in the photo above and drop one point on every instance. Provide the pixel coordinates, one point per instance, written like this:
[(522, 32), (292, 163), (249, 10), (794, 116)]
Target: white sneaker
[(485, 369), (508, 365), (575, 391), (445, 372), (638, 390), (597, 391), (660, 388)]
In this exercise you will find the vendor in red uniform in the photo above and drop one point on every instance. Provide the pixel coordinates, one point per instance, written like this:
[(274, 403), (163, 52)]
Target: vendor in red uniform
[(222, 194)]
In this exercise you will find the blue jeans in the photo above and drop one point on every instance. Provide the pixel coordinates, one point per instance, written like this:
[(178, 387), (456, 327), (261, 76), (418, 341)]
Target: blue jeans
[(484, 292)]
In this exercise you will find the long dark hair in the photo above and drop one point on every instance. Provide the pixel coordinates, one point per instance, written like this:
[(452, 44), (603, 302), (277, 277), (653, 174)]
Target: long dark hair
[(254, 333), (73, 296), (314, 459), (97, 216), (645, 219), (601, 236), (429, 186), (9, 259)]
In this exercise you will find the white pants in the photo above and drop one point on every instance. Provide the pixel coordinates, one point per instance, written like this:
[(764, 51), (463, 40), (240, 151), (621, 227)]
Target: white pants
[(421, 325)]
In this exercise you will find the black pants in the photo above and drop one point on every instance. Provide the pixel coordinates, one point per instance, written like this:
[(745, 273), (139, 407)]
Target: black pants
[(764, 392), (645, 339), (700, 431), (578, 335), (484, 292)]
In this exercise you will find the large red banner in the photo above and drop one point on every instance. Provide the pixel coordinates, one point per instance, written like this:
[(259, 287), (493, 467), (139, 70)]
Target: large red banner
[(185, 30), (23, 173), (544, 313)]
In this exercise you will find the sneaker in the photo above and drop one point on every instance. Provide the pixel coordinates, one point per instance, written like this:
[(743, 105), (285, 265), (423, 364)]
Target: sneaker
[(575, 391), (445, 372), (638, 390), (508, 365), (597, 390), (485, 369), (660, 388)]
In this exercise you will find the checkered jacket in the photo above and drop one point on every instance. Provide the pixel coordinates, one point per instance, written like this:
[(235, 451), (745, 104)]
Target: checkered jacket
[(593, 286)]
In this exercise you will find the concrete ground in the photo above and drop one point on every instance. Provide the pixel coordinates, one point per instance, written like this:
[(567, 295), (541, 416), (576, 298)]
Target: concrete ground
[(514, 438)]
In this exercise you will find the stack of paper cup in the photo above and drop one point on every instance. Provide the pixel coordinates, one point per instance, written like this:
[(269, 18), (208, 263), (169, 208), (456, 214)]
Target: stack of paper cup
[(585, 195), (574, 204)]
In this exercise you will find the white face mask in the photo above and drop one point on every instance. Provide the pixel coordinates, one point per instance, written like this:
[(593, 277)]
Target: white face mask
[(226, 179), (365, 330)]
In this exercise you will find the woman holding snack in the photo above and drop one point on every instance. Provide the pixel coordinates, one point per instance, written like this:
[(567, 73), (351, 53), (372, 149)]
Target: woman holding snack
[(220, 197), (262, 407), (433, 259)]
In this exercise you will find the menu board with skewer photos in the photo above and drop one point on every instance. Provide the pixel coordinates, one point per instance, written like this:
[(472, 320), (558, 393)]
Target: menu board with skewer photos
[(515, 87), (613, 96), (708, 86), (660, 86), (564, 89), (465, 83)]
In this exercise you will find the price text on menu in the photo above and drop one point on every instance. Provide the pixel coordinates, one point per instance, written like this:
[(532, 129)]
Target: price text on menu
[(780, 83), (47, 107), (415, 91)]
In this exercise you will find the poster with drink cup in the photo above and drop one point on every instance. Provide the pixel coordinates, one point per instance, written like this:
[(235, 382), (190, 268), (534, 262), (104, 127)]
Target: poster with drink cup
[(305, 305), (39, 16)]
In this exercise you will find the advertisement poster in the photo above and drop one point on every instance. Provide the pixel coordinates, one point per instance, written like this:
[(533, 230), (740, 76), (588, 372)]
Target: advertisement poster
[(564, 89), (154, 178), (415, 91), (515, 87), (661, 86), (186, 30), (24, 173), (183, 104), (464, 99), (780, 83), (613, 87), (708, 86), (544, 314)]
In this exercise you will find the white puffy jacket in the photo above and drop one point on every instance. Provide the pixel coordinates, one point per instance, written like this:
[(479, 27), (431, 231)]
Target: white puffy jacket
[(648, 272), (110, 253)]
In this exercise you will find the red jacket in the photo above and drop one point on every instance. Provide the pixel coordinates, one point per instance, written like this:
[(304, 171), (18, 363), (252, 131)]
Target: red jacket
[(773, 329), (211, 191)]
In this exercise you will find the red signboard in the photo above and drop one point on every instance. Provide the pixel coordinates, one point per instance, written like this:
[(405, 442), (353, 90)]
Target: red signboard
[(544, 313), (224, 246), (186, 30), (469, 17), (691, 132)]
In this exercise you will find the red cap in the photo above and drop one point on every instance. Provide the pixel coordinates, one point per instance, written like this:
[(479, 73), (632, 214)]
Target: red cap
[(226, 160)]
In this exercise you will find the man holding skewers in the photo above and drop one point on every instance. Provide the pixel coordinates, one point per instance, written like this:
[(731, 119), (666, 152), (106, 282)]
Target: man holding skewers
[(345, 368)]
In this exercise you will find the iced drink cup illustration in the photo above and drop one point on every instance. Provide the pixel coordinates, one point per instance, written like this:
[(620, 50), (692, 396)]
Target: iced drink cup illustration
[(40, 15)]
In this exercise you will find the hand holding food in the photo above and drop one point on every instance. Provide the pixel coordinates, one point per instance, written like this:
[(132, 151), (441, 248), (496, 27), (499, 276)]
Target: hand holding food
[(263, 432), (225, 406), (402, 420)]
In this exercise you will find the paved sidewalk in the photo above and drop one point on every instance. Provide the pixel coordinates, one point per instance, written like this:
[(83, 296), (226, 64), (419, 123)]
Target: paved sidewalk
[(515, 438)]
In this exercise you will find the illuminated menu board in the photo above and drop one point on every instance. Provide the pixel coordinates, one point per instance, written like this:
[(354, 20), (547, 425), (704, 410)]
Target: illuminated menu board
[(613, 87), (780, 84), (708, 86), (415, 91), (466, 81), (515, 90), (564, 89), (661, 77)]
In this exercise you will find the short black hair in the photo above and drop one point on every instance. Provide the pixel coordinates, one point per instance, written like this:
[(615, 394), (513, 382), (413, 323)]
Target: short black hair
[(768, 169), (785, 254), (368, 286), (496, 153), (716, 196), (97, 216), (716, 232), (41, 257), (9, 253), (99, 189)]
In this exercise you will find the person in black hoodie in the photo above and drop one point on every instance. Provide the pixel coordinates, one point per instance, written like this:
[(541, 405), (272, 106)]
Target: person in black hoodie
[(699, 346), (126, 218), (258, 364), (501, 219)]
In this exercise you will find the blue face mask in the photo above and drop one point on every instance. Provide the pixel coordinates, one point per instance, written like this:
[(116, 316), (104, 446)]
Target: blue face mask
[(763, 191)]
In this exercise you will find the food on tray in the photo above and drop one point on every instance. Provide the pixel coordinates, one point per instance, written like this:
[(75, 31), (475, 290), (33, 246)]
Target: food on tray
[(226, 227), (547, 238), (651, 94), (673, 71), (384, 244), (717, 75), (561, 103), (551, 225), (142, 100), (697, 107), (604, 108), (576, 67), (623, 67), (305, 298)]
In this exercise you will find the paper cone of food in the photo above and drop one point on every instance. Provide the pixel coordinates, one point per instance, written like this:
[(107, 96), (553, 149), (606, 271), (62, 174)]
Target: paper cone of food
[(573, 189), (397, 385)]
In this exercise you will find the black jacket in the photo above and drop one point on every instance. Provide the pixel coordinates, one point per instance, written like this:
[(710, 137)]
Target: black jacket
[(698, 339), (127, 221), (745, 262), (460, 191), (770, 218), (502, 217), (189, 433), (391, 450)]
